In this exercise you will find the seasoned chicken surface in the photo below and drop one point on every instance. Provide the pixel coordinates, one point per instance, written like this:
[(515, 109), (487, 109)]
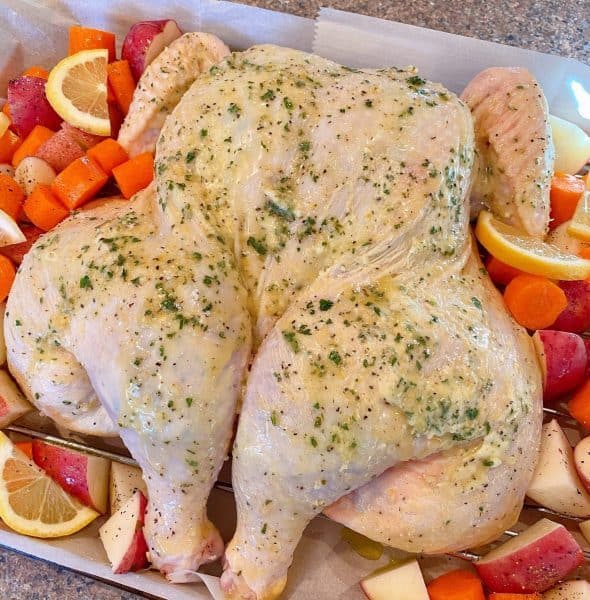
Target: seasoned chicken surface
[(324, 211), (515, 153)]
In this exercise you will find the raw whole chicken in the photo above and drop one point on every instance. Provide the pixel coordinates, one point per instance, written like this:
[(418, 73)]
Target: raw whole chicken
[(317, 215)]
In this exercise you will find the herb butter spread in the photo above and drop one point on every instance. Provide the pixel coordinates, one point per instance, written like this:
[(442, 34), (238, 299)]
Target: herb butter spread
[(317, 215)]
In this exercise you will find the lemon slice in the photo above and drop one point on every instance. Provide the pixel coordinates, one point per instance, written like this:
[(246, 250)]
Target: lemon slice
[(31, 502), (4, 123), (527, 253), (10, 232), (579, 226), (77, 90)]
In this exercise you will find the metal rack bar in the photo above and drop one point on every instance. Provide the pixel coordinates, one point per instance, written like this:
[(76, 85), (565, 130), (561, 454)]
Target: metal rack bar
[(227, 487)]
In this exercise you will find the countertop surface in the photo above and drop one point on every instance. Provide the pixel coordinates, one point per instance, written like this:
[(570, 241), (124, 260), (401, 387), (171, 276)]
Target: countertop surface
[(554, 26)]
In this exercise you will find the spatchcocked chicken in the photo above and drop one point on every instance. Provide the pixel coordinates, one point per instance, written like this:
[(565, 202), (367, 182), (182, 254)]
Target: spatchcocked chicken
[(313, 220)]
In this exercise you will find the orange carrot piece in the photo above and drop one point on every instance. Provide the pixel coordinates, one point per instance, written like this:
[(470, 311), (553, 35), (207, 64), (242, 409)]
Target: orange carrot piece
[(579, 405), (116, 119), (9, 144), (456, 585), (6, 110), (7, 275), (504, 596), (135, 174), (38, 136), (535, 302), (499, 272), (111, 98), (37, 71), (565, 193), (122, 83), (85, 38), (108, 154), (26, 448), (44, 209), (11, 196), (79, 182)]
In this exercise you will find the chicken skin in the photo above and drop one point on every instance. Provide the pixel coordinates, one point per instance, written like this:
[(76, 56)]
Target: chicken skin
[(314, 220)]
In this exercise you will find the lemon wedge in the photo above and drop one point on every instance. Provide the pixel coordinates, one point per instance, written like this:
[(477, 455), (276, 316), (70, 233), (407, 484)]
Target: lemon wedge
[(31, 502), (77, 90), (527, 253), (579, 226)]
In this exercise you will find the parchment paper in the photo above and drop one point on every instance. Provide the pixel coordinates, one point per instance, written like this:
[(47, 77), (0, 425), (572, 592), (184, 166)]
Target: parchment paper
[(34, 32), (361, 41)]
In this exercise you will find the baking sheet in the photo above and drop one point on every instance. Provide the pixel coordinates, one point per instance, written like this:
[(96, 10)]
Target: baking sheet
[(35, 32)]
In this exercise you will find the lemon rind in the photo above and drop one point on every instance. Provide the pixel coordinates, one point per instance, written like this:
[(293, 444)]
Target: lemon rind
[(37, 528), (497, 245), (63, 106)]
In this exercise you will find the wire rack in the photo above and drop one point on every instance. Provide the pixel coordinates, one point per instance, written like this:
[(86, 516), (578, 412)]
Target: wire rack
[(226, 486)]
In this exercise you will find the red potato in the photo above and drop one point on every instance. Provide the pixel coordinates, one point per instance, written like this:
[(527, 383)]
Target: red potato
[(587, 345), (29, 105), (555, 484), (12, 403), (16, 252), (122, 536), (31, 172), (145, 40), (60, 150), (563, 359), (125, 480), (402, 582), (582, 461), (569, 590), (533, 561), (83, 476), (576, 316), (82, 138)]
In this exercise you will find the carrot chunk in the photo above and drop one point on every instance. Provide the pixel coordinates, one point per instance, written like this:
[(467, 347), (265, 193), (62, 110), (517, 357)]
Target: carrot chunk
[(579, 405), (535, 302), (85, 38), (38, 136), (11, 196), (505, 596), (122, 83), (6, 110), (79, 182), (135, 174), (499, 272), (108, 154), (44, 209), (565, 193), (37, 71), (7, 275), (456, 585), (9, 144), (26, 448)]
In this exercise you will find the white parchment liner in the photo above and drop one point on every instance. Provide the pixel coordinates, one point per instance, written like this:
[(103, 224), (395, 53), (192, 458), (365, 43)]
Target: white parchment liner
[(35, 32)]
